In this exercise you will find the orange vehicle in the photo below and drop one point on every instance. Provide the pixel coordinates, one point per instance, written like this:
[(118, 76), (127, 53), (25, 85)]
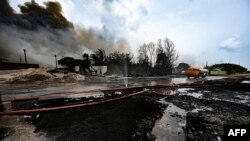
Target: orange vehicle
[(196, 72)]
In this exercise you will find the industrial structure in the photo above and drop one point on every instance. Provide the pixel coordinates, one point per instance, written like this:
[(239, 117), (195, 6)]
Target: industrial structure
[(94, 64)]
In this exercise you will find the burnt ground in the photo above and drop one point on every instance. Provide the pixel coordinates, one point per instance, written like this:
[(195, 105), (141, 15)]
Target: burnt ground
[(208, 125), (129, 119), (5, 132), (135, 117)]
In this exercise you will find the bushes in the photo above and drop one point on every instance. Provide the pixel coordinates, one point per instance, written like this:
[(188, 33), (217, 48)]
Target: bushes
[(229, 68)]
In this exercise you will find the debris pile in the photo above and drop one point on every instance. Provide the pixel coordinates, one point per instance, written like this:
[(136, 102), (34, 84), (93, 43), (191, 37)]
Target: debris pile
[(29, 75), (71, 77), (41, 75)]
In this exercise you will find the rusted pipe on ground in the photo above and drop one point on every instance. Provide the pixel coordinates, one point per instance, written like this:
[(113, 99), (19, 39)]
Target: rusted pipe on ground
[(69, 106)]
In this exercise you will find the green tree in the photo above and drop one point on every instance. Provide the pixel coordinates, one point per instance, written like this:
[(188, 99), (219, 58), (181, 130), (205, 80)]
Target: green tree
[(170, 52), (183, 66), (151, 51), (166, 56), (143, 57), (229, 68), (117, 58)]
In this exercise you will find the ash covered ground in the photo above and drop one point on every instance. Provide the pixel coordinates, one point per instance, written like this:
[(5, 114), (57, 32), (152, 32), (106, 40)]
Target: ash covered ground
[(196, 113)]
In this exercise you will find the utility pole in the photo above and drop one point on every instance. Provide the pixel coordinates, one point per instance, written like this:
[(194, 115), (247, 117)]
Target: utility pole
[(1, 106), (56, 60), (24, 51)]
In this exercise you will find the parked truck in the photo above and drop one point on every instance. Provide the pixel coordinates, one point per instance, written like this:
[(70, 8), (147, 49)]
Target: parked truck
[(196, 73)]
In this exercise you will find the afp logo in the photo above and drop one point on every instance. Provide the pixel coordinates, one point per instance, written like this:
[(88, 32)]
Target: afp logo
[(235, 132)]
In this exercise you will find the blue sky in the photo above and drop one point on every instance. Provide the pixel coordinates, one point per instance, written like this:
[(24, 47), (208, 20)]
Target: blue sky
[(216, 31)]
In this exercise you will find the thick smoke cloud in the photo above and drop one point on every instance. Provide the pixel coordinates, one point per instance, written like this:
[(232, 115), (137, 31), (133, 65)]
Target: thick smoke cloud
[(41, 44), (43, 31), (95, 40)]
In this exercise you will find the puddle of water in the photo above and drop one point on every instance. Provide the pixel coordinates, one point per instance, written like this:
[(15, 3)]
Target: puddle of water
[(202, 108), (246, 97), (180, 80), (215, 77), (229, 96), (182, 90), (195, 95), (244, 101), (170, 126), (185, 80), (186, 91), (245, 82)]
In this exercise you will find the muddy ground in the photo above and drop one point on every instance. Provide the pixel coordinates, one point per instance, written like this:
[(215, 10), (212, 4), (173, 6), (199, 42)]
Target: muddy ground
[(227, 104), (129, 119), (196, 113), (208, 125)]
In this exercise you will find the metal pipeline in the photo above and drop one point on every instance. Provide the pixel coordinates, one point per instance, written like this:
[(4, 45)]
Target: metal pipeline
[(70, 106), (133, 88)]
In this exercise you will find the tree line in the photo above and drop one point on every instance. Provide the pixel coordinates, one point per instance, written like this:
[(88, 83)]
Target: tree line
[(229, 68), (158, 57)]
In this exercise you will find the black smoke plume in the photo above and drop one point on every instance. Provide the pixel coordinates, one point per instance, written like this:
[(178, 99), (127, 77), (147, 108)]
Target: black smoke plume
[(43, 31)]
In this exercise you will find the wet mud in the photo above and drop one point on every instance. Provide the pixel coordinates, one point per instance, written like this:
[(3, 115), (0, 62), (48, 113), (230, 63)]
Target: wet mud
[(5, 132), (129, 119), (217, 106), (198, 111)]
